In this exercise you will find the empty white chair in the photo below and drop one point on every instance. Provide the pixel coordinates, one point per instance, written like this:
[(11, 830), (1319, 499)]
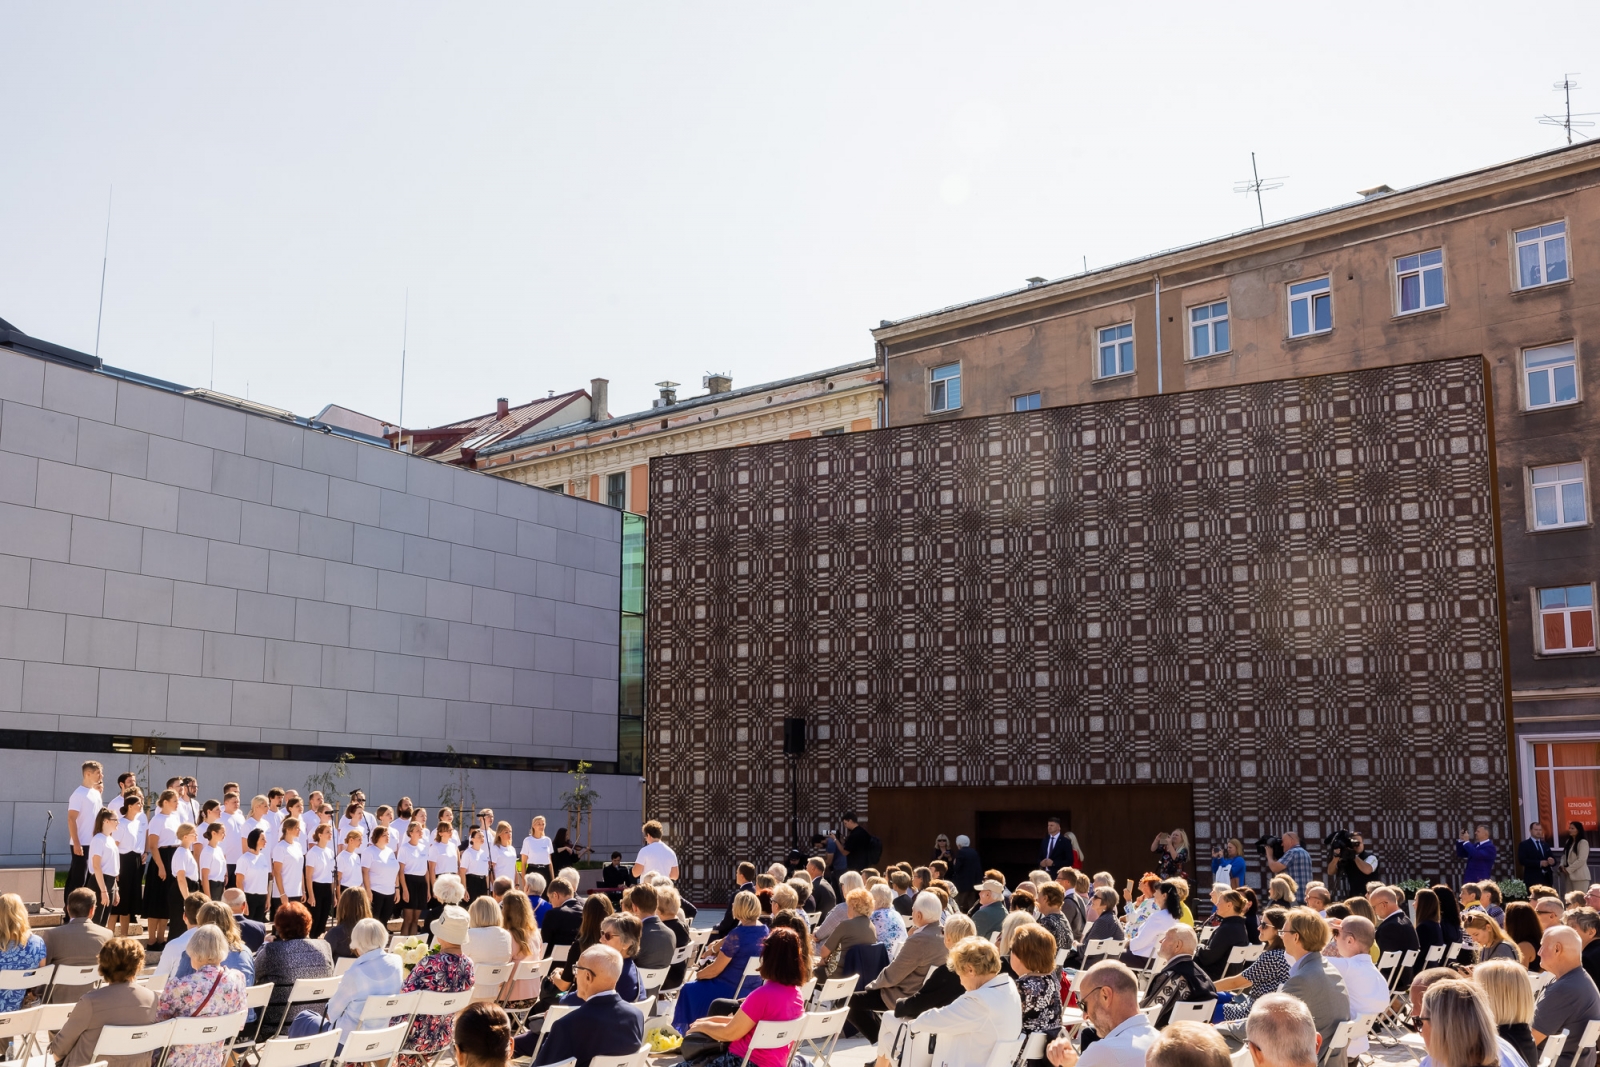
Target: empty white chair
[(132, 1040), (822, 1030), (204, 1030), (1005, 1053), (373, 1046), (1186, 1011), (298, 1051), (632, 1059), (772, 1034), (18, 1027), (554, 1012), (835, 990)]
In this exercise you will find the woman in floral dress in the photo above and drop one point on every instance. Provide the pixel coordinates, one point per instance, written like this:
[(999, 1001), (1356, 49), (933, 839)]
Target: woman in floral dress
[(447, 970), (886, 922), (20, 948), (1033, 959), (210, 989)]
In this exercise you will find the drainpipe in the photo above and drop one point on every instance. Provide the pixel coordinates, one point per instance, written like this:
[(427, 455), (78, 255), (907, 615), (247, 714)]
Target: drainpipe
[(1158, 334)]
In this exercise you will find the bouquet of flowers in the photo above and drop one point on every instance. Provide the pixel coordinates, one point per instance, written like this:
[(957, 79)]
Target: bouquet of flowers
[(411, 951)]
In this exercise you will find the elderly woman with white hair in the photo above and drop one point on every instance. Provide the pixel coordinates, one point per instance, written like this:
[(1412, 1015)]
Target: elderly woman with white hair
[(921, 953), (375, 973), (210, 989), (848, 881), (886, 922)]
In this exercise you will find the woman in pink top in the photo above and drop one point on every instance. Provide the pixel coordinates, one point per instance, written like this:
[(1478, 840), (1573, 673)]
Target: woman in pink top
[(785, 967)]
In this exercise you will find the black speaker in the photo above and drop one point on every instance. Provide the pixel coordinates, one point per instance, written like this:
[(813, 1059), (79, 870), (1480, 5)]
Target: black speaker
[(794, 737)]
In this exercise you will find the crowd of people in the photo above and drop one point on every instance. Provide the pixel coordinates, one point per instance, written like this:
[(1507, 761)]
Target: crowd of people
[(940, 952)]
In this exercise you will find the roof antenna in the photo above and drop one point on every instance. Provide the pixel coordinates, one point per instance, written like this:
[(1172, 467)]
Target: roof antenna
[(1568, 121), (1257, 184), (213, 385), (405, 329), (104, 256)]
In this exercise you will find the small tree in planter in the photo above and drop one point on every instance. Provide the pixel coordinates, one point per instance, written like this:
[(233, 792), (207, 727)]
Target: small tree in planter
[(457, 792), (327, 781), (579, 805)]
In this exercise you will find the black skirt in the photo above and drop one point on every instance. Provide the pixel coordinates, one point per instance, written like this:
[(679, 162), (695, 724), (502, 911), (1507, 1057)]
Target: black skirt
[(155, 886), (416, 892), (383, 907), (130, 884), (477, 886)]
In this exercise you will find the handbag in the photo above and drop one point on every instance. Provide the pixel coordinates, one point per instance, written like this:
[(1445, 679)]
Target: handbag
[(698, 1046)]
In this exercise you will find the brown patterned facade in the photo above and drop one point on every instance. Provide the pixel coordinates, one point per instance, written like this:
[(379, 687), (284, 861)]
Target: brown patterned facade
[(1284, 595)]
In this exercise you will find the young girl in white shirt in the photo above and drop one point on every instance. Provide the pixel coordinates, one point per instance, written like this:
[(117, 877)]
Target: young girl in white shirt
[(129, 836), (348, 864), (443, 858), (502, 857), (289, 863), (161, 840), (319, 868), (381, 875), (474, 867), (103, 863), (185, 879), (213, 864), (254, 873), (536, 851), (414, 870)]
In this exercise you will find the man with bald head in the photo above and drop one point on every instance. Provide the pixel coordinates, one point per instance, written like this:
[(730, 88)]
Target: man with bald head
[(1281, 1032), (603, 1025), (1109, 994), (1180, 977), (1395, 932), (1350, 954), (1569, 1002)]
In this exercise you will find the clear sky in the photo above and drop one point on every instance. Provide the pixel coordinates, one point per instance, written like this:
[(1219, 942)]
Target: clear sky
[(648, 191)]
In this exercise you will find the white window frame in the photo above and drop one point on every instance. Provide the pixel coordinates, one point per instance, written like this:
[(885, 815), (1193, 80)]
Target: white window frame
[(1035, 395), (940, 387), (1562, 477), (1549, 372), (1310, 297), (1209, 324), (1538, 621), (1420, 272), (1115, 344), (1528, 765), (624, 476), (1541, 240)]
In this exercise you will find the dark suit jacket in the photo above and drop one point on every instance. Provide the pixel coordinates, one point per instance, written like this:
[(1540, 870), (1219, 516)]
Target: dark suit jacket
[(1591, 960), (902, 905), (602, 1026), (1396, 934), (560, 925), (967, 870), (121, 1004), (824, 899), (656, 945), (1212, 957), (252, 933), (1061, 855), (1529, 854), (940, 988)]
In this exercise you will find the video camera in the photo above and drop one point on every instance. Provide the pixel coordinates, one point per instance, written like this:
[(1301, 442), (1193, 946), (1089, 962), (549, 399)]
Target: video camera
[(1341, 841), (1274, 843)]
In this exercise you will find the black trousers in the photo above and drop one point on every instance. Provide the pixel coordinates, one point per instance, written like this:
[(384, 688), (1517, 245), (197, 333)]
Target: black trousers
[(383, 907), (77, 871), (477, 886), (256, 905), (863, 1015), (321, 906)]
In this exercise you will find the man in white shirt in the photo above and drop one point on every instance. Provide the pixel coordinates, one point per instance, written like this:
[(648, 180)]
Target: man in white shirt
[(82, 807), (125, 781), (656, 856), (189, 800), (233, 831), (1282, 1032), (1109, 995), (275, 813), (1350, 954)]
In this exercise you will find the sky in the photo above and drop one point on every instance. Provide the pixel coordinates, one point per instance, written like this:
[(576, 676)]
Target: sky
[(528, 196)]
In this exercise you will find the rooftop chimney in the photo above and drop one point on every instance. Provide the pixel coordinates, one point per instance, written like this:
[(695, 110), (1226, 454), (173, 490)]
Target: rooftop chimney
[(599, 399), (669, 395), (1035, 281), (717, 382), (501, 406)]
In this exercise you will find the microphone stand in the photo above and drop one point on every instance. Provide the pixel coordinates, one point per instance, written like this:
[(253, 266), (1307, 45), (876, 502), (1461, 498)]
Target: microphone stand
[(49, 817)]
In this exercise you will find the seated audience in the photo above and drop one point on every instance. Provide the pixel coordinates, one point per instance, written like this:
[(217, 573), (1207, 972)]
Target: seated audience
[(376, 972), (722, 976), (840, 912), (856, 930), (1586, 921), (923, 950), (1051, 899), (1311, 978), (1509, 994), (560, 924), (1350, 953), (990, 1011), (1103, 925), (1033, 961), (1492, 942), (1450, 917), (1457, 1028), (516, 918), (238, 958), (887, 925), (1108, 994), (603, 1024), (1180, 978), (1266, 975), (621, 932), (656, 942), (118, 1002), (1231, 933), (487, 940), (1570, 1001), (210, 988), (1525, 931), (1167, 913), (482, 1036), (1281, 1032), (784, 968), (447, 970), (940, 987), (353, 907), (667, 911), (288, 958), (1188, 1045), (76, 942), (991, 913)]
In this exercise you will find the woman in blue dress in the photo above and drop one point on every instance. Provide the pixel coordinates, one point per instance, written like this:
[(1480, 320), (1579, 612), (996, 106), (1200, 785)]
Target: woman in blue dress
[(724, 974), (20, 948)]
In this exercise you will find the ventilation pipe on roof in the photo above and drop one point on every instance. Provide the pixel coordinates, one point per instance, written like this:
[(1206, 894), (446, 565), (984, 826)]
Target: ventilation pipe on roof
[(717, 382), (599, 399)]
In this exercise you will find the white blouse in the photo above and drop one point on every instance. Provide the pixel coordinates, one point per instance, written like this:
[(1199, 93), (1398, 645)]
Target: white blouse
[(383, 867), (349, 865), (183, 862), (165, 827), (537, 850), (476, 861), (414, 859), (214, 863), (293, 857), (130, 834), (319, 860), (110, 862), (503, 858), (233, 834), (256, 867), (444, 857)]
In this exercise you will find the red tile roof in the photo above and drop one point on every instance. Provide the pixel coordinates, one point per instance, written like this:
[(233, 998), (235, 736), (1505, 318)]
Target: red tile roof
[(457, 442)]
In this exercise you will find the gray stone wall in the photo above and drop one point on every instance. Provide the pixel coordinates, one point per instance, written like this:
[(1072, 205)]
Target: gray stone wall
[(170, 566)]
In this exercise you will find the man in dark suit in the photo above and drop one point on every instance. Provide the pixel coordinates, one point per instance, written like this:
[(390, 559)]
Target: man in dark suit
[(560, 924), (966, 871), (824, 899), (744, 882), (656, 943), (1538, 864), (1395, 932), (1056, 851), (253, 934), (603, 1025)]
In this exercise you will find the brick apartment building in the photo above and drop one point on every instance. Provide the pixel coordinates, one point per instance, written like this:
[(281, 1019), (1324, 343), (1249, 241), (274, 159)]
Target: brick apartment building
[(1502, 263)]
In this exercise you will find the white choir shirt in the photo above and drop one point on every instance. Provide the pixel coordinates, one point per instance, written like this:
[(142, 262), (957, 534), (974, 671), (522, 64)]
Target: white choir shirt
[(319, 859), (658, 857), (293, 857), (414, 859), (504, 861), (476, 861), (233, 834), (272, 823), (349, 865), (183, 861), (537, 850), (165, 827), (214, 863), (130, 833), (82, 808), (257, 870), (189, 808), (110, 862), (444, 857), (364, 824), (115, 804), (383, 866)]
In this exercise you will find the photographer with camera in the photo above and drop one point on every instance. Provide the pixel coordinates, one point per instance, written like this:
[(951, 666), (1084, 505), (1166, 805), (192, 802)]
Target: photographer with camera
[(1284, 855), (1351, 862)]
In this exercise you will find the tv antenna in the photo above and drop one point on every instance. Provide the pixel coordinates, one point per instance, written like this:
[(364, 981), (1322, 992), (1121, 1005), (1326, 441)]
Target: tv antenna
[(105, 255), (405, 329), (1567, 120), (1257, 185)]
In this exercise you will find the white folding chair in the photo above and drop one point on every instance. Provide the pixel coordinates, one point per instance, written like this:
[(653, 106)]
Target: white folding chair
[(1590, 1038), (396, 940), (768, 1034), (307, 991), (33, 978), (1540, 979), (834, 990), (752, 969), (488, 978), (1553, 1046), (1455, 950), (153, 982), (385, 1009), (1235, 959), (74, 977), (1153, 1012), (256, 999), (204, 1030), (1005, 1053), (132, 1040), (1435, 955), (1061, 956), (813, 918), (1206, 933), (378, 1047), (430, 1004), (16, 1031), (1337, 1046), (1033, 1048), (1253, 952), (51, 1018), (650, 978), (298, 1051), (342, 964), (808, 987), (632, 1059), (558, 953), (534, 971), (701, 935), (646, 1006), (1407, 961), (1193, 1011), (1387, 964), (822, 1031), (554, 1012), (1102, 947)]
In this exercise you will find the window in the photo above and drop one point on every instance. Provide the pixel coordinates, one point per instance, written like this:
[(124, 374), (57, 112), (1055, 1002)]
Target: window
[(1116, 350), (1566, 619), (559, 487), (1551, 375), (617, 490), (1025, 402), (945, 388), (832, 431), (1541, 255), (1558, 496), (1420, 280), (1208, 330), (1566, 782), (1310, 308)]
